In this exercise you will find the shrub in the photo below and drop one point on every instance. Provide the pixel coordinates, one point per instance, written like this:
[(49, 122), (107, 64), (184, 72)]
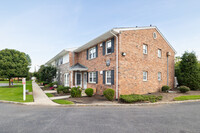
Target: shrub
[(109, 94), (89, 92), (62, 89), (165, 88), (76, 92), (139, 98), (183, 89)]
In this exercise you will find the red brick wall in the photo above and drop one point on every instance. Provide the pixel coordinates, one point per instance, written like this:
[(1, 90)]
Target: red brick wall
[(132, 65), (98, 64)]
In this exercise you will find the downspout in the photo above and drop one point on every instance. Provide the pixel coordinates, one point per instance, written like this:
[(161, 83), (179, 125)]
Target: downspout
[(117, 64), (167, 70)]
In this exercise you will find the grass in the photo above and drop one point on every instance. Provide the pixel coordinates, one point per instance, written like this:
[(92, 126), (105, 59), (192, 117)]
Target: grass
[(49, 95), (61, 101), (190, 97), (15, 93)]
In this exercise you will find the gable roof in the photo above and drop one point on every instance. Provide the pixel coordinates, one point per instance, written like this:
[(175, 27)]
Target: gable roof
[(108, 34), (63, 52), (78, 67)]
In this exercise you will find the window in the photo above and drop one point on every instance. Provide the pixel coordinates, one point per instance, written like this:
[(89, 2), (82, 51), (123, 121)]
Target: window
[(154, 35), (145, 76), (92, 77), (92, 53), (145, 49), (159, 53), (159, 76), (108, 77), (108, 47)]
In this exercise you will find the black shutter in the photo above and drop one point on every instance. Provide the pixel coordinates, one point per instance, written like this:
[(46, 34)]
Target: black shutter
[(97, 51), (97, 77), (87, 54), (112, 77), (87, 76), (104, 76), (103, 48), (112, 45)]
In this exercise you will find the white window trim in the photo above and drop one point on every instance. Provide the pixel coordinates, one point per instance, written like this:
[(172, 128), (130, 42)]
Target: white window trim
[(107, 47), (107, 77), (92, 77), (160, 56), (154, 33), (146, 46), (159, 76), (92, 53), (146, 76)]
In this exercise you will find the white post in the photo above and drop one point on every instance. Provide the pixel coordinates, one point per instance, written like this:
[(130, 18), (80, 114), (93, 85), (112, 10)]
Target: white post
[(24, 88)]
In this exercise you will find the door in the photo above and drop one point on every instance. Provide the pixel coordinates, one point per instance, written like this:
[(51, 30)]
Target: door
[(85, 80), (78, 79), (66, 79)]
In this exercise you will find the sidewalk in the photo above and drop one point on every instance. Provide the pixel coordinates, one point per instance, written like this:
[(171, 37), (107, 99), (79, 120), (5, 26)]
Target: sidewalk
[(40, 98)]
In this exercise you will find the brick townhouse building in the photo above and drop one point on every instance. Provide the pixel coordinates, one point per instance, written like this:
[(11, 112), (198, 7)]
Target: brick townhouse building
[(135, 60)]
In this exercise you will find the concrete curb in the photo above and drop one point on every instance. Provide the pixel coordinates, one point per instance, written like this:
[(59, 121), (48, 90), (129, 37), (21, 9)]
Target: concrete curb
[(105, 105)]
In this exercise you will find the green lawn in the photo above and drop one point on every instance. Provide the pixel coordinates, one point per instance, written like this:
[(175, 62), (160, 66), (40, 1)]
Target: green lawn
[(190, 97), (15, 93), (49, 95), (13, 81), (61, 101)]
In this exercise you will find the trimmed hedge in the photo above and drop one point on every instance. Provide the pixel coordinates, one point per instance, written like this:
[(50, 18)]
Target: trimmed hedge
[(62, 89), (165, 88), (76, 92), (109, 94), (139, 98), (89, 92), (183, 89)]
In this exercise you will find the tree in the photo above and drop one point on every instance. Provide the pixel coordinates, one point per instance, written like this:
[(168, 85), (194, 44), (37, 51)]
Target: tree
[(13, 63), (46, 73), (188, 72)]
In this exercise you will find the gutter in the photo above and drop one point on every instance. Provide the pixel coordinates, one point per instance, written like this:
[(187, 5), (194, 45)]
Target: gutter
[(117, 64)]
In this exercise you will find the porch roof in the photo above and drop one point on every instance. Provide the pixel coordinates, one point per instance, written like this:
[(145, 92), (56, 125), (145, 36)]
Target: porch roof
[(78, 67)]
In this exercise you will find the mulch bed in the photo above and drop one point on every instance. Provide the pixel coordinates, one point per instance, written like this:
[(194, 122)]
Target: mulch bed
[(98, 99)]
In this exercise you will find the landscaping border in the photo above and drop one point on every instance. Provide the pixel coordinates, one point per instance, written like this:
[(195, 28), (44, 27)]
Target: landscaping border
[(86, 105)]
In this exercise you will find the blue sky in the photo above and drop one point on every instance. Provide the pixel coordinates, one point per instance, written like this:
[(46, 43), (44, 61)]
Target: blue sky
[(42, 28)]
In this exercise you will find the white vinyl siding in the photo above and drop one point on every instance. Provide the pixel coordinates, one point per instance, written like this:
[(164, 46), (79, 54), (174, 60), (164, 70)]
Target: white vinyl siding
[(145, 76), (108, 77), (92, 77), (108, 47), (66, 58), (92, 53), (145, 49)]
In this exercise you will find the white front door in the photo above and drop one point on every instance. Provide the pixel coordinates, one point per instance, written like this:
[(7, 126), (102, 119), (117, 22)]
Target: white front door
[(66, 79), (85, 80), (78, 79)]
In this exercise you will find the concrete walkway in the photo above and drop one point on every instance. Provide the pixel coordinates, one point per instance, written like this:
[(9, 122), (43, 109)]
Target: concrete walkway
[(50, 91), (59, 97), (40, 98)]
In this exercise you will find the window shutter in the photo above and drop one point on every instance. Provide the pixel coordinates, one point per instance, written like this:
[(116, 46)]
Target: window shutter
[(87, 77), (103, 48), (97, 50), (104, 76), (112, 77), (97, 77), (87, 54), (112, 45)]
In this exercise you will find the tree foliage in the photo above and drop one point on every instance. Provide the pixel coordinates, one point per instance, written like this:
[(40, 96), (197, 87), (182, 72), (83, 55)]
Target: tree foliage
[(46, 73), (13, 63), (188, 72)]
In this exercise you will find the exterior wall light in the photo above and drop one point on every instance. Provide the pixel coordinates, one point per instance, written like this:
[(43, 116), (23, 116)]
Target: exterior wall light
[(123, 54)]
